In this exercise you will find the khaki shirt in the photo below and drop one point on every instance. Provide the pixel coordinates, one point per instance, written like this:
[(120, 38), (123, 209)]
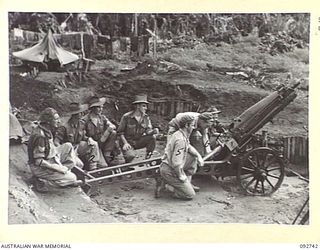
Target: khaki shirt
[(133, 129), (176, 150), (95, 127), (40, 145), (73, 132)]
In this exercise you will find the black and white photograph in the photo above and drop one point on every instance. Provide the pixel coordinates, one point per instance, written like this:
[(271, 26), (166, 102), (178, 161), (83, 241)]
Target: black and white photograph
[(158, 118)]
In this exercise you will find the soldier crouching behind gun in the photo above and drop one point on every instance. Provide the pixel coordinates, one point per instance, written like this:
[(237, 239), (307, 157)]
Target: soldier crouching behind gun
[(74, 131), (174, 163), (46, 161)]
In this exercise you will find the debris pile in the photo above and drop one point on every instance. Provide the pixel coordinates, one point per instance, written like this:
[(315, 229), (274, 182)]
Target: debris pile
[(279, 43), (262, 78)]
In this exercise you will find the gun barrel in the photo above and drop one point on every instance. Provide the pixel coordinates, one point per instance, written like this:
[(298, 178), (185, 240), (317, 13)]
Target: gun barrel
[(255, 117)]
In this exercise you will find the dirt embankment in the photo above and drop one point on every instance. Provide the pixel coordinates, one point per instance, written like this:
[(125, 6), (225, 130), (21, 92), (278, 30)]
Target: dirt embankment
[(165, 91)]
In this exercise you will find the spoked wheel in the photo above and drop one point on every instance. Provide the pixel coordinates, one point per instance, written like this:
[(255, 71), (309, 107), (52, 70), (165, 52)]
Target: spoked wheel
[(261, 172)]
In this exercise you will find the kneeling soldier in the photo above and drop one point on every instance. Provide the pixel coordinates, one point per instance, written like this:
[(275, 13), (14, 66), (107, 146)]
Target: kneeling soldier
[(173, 169), (199, 138)]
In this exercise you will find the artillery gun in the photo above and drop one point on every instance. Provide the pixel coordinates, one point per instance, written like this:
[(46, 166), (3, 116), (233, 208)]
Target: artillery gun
[(259, 170)]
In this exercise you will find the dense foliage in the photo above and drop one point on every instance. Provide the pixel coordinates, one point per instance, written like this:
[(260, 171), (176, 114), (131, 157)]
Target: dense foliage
[(205, 26)]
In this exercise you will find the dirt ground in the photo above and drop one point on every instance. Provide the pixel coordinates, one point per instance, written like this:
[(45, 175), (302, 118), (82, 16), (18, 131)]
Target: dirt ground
[(219, 201)]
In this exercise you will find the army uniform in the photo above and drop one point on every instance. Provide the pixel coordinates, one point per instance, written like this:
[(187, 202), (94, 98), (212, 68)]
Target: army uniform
[(176, 159), (86, 149), (100, 129), (41, 147), (138, 134), (137, 130)]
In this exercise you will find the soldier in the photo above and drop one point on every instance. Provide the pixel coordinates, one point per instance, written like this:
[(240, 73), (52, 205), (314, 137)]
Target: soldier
[(174, 163), (46, 161), (213, 112), (135, 130), (199, 138), (100, 128), (74, 131), (216, 129)]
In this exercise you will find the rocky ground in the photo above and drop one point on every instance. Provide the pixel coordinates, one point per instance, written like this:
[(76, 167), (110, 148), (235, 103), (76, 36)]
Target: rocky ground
[(199, 75)]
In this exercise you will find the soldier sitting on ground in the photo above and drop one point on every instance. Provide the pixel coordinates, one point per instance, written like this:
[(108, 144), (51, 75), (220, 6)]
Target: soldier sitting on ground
[(46, 161), (135, 130), (174, 176), (101, 129), (74, 131)]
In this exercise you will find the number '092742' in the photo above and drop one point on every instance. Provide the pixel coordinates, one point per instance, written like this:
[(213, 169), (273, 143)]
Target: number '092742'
[(314, 246)]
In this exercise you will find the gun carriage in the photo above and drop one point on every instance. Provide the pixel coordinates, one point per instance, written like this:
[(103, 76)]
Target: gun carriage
[(259, 169)]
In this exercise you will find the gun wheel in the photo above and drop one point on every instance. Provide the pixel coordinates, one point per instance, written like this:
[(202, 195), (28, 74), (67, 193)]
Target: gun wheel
[(261, 172)]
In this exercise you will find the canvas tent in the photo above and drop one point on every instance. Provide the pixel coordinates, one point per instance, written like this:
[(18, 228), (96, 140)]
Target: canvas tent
[(47, 48)]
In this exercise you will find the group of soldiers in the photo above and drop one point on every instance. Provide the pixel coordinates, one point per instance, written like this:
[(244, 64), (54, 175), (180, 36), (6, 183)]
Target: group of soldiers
[(89, 140)]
